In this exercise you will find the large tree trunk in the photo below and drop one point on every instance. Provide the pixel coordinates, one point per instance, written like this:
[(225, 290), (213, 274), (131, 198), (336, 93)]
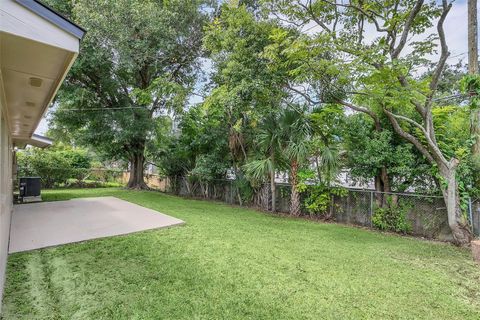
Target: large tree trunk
[(382, 186), (456, 220), (295, 196), (137, 180)]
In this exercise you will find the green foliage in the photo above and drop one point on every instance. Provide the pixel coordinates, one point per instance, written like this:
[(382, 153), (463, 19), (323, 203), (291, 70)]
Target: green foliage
[(257, 171), (134, 69), (54, 166), (73, 183), (269, 156), (200, 149), (452, 129), (296, 131), (105, 175), (368, 151), (317, 198), (392, 216), (247, 92), (277, 96), (244, 188), (470, 84), (208, 168), (327, 123)]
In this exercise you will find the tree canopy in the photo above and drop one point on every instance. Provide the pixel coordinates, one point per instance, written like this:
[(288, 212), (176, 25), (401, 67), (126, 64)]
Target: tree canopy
[(310, 89), (138, 64)]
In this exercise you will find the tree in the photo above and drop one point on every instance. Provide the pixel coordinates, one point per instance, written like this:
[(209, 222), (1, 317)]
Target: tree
[(377, 77), (370, 152), (269, 141), (295, 131), (134, 67), (244, 89), (199, 151), (327, 123)]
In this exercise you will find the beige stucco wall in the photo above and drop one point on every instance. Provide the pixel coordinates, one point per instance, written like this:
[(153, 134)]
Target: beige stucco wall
[(5, 197), (31, 47)]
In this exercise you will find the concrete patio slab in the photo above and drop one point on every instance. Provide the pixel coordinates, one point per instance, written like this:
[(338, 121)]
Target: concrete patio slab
[(40, 225)]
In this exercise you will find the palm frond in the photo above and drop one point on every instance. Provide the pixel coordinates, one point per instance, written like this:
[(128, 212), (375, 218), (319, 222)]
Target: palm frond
[(258, 170)]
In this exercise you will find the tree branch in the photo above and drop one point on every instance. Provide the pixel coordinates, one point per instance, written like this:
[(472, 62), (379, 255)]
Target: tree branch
[(418, 105), (406, 30), (303, 94), (369, 112), (444, 53), (408, 137), (370, 16), (314, 17), (436, 153), (411, 121), (438, 71)]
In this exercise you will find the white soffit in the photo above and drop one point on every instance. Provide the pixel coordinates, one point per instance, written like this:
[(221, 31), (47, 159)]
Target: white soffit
[(35, 56)]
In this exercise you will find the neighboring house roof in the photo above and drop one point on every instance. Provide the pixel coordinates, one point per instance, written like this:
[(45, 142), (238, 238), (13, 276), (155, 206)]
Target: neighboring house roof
[(53, 16)]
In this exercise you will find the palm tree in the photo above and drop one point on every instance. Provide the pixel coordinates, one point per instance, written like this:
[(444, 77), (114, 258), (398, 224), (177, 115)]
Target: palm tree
[(327, 160), (282, 138), (270, 144), (295, 131)]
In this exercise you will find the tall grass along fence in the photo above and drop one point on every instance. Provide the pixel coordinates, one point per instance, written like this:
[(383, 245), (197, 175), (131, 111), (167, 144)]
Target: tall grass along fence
[(407, 213)]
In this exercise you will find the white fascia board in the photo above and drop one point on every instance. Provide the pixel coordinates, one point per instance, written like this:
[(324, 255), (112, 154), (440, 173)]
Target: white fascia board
[(22, 22)]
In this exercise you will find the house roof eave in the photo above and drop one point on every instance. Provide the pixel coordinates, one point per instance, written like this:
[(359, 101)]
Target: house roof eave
[(53, 17)]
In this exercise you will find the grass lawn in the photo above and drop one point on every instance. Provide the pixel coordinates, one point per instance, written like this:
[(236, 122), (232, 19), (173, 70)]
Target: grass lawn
[(234, 263)]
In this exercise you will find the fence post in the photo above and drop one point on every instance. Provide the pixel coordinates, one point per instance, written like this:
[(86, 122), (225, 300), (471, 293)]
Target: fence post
[(371, 208)]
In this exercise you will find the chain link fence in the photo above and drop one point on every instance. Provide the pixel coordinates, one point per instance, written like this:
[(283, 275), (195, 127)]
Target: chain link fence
[(424, 215), (474, 209)]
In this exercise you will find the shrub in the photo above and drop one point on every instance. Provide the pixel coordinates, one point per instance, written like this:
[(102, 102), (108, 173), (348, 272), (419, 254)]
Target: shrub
[(318, 198), (392, 217), (54, 167), (244, 189)]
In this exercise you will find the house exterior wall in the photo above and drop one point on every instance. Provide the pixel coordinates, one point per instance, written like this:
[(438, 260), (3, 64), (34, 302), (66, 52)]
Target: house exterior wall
[(6, 203), (37, 48)]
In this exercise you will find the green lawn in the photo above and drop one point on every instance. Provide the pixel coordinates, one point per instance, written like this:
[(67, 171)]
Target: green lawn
[(233, 263)]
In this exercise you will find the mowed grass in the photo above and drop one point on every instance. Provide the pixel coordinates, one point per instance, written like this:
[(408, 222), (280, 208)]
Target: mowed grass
[(234, 263)]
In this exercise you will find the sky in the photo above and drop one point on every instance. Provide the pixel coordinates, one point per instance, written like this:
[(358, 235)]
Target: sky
[(455, 30)]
